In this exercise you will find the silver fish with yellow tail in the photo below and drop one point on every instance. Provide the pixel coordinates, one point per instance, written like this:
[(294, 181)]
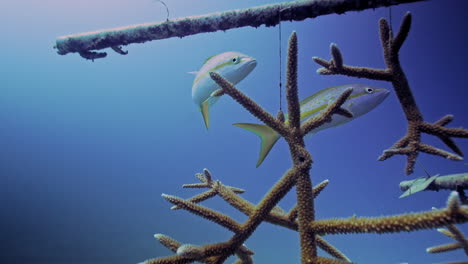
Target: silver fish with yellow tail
[(233, 66)]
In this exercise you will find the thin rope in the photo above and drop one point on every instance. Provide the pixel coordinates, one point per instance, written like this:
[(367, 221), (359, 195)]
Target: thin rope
[(280, 56), (424, 169), (390, 19), (167, 9)]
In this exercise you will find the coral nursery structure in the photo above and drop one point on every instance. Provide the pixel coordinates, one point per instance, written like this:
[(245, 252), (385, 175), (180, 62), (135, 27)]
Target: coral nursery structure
[(87, 44), (301, 217)]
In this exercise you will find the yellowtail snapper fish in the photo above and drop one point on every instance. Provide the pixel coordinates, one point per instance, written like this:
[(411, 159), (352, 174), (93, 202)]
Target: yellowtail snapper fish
[(363, 99), (233, 66)]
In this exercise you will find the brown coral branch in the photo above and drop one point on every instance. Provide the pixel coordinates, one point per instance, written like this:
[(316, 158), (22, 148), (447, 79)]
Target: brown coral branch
[(188, 253), (322, 260), (444, 248), (282, 220), (207, 175), (438, 129), (327, 247), (262, 210), (326, 115), (453, 214), (292, 214), (207, 182), (195, 185), (250, 105), (204, 212), (235, 200), (171, 260), (202, 177), (294, 111), (190, 250), (199, 198), (453, 232), (221, 251), (410, 145), (300, 157), (245, 255), (278, 210), (446, 232), (458, 235), (168, 242), (331, 68)]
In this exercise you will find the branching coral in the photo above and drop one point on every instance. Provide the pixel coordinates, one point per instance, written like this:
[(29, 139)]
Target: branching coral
[(298, 175), (410, 145), (301, 217), (277, 216), (454, 213), (453, 232)]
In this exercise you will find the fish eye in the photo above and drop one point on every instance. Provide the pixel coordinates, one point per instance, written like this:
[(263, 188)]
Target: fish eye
[(369, 90), (235, 60)]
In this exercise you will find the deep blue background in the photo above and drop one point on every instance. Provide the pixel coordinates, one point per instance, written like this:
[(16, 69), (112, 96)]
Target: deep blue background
[(86, 149)]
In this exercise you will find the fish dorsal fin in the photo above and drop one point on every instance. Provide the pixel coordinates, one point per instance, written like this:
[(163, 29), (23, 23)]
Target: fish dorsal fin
[(267, 135), (315, 95), (205, 109), (207, 59)]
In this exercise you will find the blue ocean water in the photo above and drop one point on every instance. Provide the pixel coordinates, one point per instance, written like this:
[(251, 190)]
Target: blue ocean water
[(87, 149)]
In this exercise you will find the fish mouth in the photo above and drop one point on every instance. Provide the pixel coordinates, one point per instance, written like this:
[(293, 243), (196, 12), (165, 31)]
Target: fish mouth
[(383, 94), (248, 65), (250, 61)]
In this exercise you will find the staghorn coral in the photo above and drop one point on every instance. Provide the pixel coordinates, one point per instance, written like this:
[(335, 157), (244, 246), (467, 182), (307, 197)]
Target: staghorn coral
[(454, 213), (277, 216), (410, 145), (453, 232), (301, 217)]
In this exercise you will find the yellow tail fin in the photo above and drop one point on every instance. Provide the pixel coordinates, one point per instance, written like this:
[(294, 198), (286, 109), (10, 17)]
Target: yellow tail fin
[(205, 109), (266, 134)]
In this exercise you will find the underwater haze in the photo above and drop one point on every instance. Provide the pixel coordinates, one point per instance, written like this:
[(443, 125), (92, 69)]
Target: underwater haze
[(87, 148)]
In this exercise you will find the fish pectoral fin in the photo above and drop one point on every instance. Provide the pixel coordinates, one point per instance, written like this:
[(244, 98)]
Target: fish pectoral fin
[(205, 106), (267, 135)]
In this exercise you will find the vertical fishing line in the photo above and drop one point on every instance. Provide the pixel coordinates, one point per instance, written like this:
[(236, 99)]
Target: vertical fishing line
[(390, 19), (280, 64)]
